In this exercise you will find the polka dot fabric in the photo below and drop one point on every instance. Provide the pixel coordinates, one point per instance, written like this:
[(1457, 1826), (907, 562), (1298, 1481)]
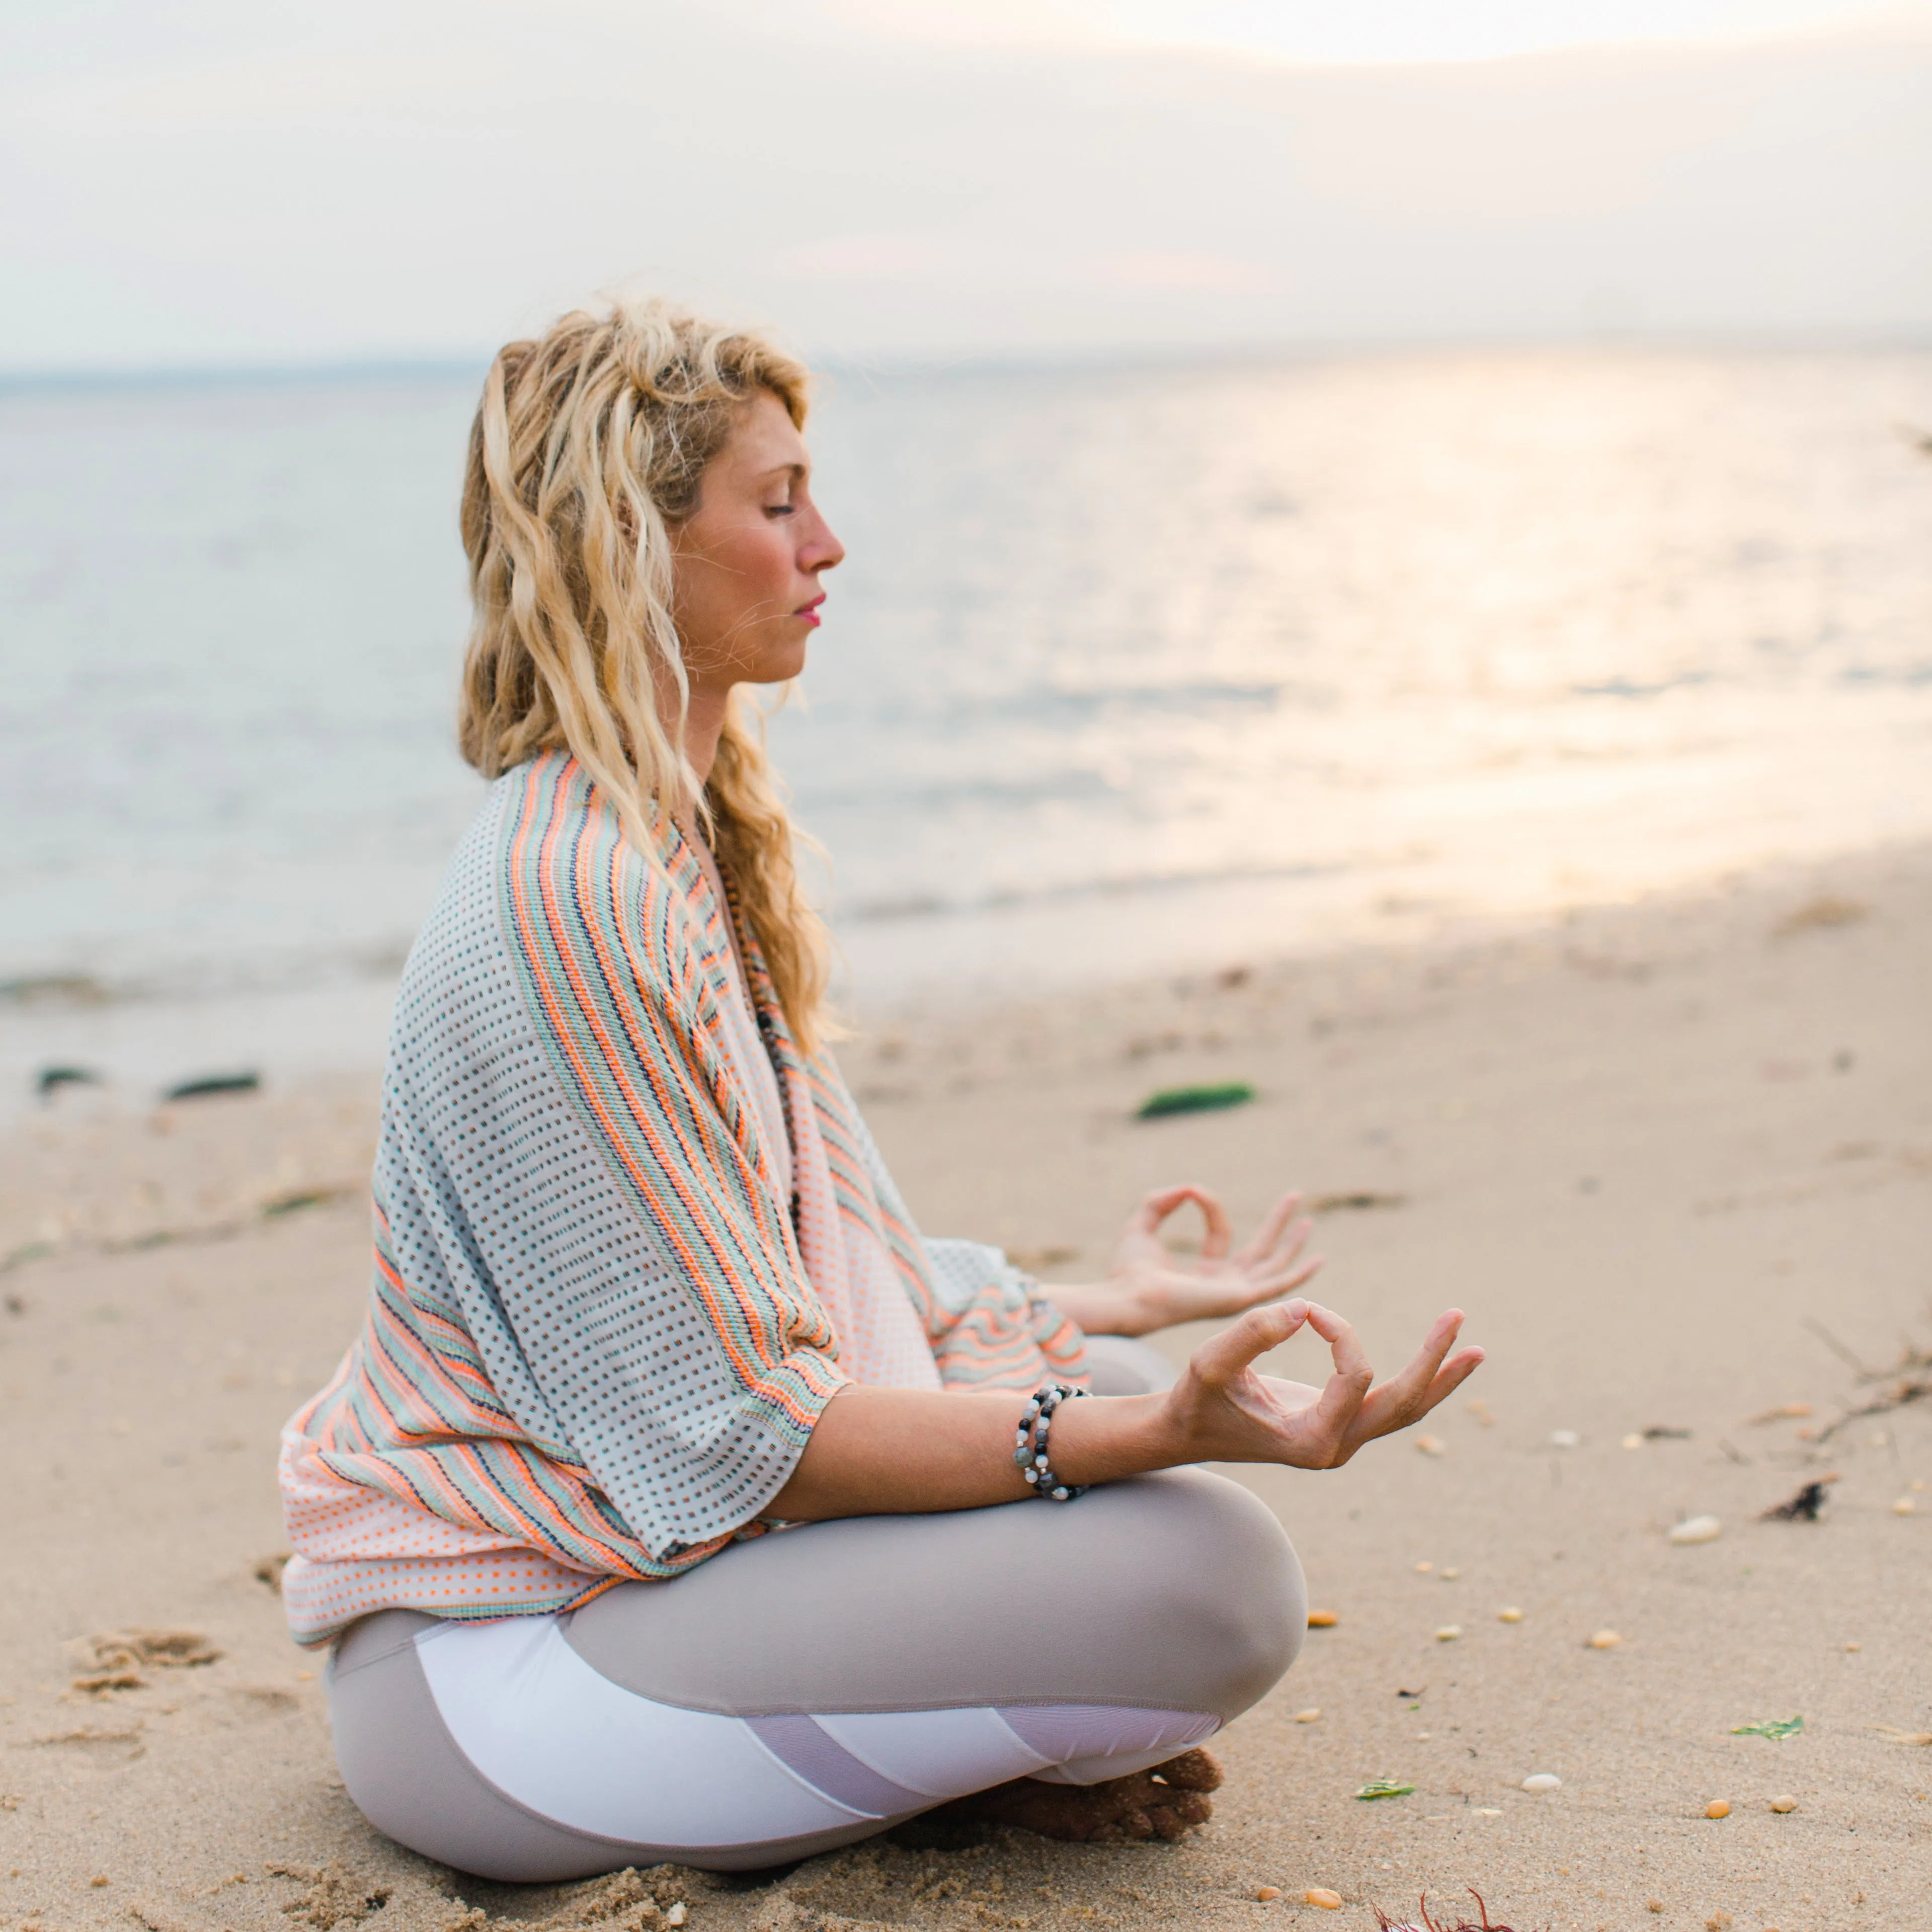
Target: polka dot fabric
[(599, 1332)]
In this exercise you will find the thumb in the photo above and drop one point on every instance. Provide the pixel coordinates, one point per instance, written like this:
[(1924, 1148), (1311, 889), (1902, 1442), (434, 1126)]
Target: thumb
[(1221, 1358)]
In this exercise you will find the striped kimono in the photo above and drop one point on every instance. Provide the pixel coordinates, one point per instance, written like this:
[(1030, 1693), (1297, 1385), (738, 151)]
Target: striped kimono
[(599, 1333)]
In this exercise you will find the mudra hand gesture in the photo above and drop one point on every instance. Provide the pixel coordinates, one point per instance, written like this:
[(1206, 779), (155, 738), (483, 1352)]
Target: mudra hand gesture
[(1222, 1411), (1148, 1287), (862, 1457)]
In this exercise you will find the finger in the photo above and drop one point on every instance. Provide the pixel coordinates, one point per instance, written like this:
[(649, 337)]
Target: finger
[(1271, 1287), (1347, 1388), (1407, 1388), (1221, 1358), (1377, 1418), (1410, 1396), (1281, 1266), (1293, 1278), (1453, 1374), (1269, 1233), (1294, 1239), (1157, 1207), (1218, 1234)]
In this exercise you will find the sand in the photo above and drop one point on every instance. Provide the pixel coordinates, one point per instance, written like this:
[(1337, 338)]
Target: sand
[(1675, 1158)]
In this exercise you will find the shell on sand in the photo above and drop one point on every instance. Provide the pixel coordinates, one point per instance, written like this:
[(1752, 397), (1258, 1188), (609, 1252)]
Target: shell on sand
[(1697, 1529)]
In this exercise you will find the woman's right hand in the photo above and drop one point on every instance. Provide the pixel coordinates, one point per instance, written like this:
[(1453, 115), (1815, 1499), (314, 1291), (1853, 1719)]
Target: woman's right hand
[(1222, 1411), (878, 1451)]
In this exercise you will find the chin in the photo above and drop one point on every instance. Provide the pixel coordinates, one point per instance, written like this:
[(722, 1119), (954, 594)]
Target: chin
[(778, 665)]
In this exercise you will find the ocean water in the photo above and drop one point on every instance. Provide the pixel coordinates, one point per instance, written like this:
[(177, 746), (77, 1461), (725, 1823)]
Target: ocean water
[(1128, 670)]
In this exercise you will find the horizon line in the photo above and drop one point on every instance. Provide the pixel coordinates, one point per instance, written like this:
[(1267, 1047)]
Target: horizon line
[(1907, 338)]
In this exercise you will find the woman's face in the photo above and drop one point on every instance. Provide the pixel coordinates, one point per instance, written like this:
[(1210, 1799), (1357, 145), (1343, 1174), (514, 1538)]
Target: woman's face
[(745, 565)]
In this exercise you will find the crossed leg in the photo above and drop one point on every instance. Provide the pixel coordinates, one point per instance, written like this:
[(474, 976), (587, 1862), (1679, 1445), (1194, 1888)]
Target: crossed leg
[(811, 1688)]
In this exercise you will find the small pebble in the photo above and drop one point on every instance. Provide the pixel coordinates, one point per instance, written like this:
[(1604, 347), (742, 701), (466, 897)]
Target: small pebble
[(1605, 1640), (1784, 1805), (1565, 1438), (1448, 1633), (1320, 1895), (1653, 1905), (1543, 1780), (1449, 1576), (1718, 1808), (1432, 1445), (96, 1879), (1423, 1569), (675, 1916), (1854, 1646), (1633, 1441), (1307, 1716), (1322, 1620), (1488, 1811), (1266, 1892), (1904, 1507), (1510, 1615), (1697, 1529)]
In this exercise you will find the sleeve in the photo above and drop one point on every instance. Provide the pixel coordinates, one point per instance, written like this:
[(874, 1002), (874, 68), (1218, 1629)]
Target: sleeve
[(630, 1278), (999, 1331), (986, 1322)]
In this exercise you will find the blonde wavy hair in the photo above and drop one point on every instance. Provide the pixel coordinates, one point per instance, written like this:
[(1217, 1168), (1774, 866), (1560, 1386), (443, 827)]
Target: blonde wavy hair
[(588, 450)]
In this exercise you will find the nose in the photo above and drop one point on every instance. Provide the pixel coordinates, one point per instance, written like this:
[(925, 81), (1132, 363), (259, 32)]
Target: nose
[(822, 550)]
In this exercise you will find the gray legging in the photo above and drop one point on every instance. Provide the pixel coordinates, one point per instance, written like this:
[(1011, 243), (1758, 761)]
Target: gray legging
[(810, 1688)]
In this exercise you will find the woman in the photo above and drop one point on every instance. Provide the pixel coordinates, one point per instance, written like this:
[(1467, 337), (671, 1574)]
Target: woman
[(644, 1292)]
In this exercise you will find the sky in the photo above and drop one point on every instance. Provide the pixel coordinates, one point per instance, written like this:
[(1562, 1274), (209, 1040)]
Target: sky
[(211, 183)]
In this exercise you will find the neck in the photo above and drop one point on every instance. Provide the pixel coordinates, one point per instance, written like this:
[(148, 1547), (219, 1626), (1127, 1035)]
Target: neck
[(704, 725)]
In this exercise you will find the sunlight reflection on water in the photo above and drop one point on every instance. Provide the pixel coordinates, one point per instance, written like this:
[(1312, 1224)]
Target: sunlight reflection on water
[(1147, 668)]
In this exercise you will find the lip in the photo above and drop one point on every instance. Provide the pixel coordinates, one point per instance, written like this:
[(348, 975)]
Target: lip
[(809, 611)]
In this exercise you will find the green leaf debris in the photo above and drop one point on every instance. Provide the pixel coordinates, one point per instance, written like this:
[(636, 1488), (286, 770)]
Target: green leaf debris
[(1771, 1727)]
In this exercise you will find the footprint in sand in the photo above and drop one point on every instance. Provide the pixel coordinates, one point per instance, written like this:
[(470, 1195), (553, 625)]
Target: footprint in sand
[(114, 1659)]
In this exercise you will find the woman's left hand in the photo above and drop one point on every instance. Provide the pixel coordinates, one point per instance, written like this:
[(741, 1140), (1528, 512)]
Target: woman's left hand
[(1148, 1287)]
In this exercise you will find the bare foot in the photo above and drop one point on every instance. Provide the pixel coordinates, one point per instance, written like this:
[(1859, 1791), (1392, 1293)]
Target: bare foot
[(1160, 1803)]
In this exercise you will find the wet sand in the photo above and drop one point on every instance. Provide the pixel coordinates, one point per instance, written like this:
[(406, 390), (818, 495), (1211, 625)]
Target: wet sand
[(1675, 1160)]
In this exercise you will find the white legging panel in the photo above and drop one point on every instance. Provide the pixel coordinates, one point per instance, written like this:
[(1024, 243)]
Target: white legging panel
[(552, 1734)]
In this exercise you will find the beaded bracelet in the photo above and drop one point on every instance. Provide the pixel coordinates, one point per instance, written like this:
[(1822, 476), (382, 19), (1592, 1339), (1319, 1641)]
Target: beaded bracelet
[(1030, 1447)]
